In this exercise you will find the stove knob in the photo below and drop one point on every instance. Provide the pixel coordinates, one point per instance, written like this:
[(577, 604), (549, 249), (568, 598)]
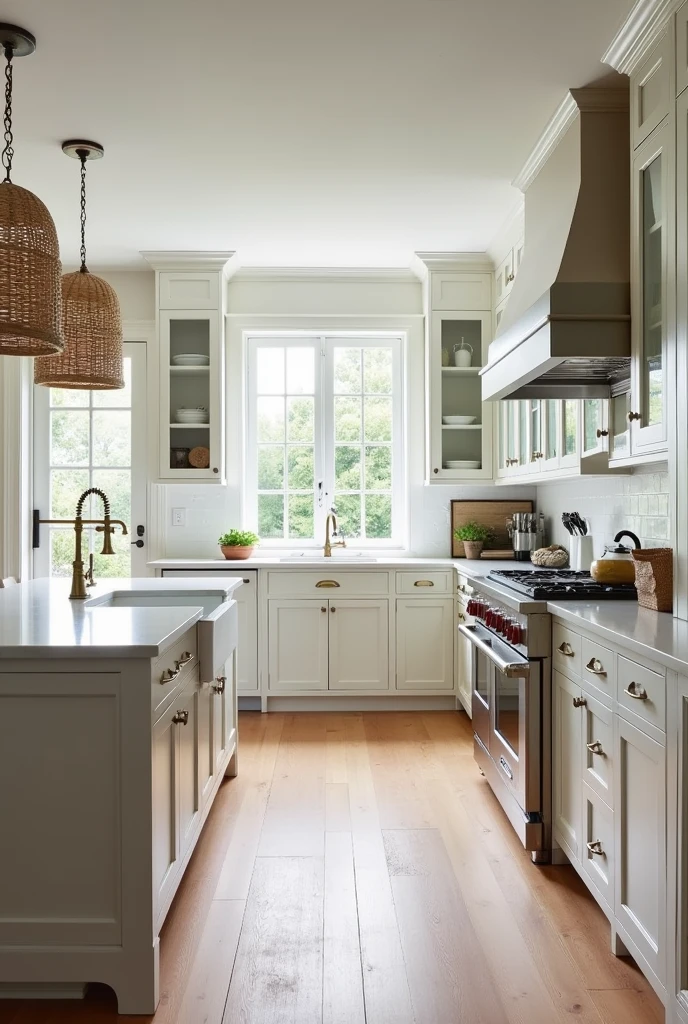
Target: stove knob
[(516, 633), (471, 607), (489, 616)]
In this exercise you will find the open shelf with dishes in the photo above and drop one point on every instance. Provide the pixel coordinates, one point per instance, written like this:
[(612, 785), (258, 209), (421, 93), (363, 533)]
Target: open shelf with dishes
[(460, 423), (190, 355)]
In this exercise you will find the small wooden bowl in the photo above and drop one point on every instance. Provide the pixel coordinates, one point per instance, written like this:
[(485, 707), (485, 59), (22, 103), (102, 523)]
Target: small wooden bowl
[(199, 457)]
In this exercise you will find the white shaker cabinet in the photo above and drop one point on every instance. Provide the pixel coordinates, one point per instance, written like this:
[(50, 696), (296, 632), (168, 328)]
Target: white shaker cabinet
[(425, 651), (567, 787), (358, 644), (640, 799), (298, 644)]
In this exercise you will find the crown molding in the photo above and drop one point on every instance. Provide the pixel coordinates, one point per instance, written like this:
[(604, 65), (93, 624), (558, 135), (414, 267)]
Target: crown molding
[(639, 32), (138, 330), (214, 259), (558, 125), (326, 275), (450, 262)]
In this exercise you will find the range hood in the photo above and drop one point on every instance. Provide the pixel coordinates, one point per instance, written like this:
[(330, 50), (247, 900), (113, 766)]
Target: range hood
[(566, 328)]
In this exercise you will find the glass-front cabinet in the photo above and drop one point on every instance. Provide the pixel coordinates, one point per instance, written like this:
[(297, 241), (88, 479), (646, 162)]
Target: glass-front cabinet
[(595, 433), (647, 411), (460, 425), (191, 435)]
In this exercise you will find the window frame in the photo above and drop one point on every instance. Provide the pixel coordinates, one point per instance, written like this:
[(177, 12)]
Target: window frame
[(324, 345)]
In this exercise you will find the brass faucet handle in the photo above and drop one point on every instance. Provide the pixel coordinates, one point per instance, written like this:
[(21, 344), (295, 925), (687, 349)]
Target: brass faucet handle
[(88, 575)]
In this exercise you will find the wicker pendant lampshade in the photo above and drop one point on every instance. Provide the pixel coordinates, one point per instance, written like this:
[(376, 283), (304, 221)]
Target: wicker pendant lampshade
[(91, 319), (29, 253)]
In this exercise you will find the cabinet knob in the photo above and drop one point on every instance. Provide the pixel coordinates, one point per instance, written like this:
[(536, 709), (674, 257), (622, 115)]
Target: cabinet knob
[(510, 278), (602, 433), (634, 416), (435, 470), (245, 581), (595, 747), (579, 702), (333, 610), (323, 609), (219, 685), (215, 469), (181, 718), (596, 847)]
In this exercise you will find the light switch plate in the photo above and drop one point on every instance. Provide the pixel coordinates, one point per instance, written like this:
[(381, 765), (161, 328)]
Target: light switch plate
[(179, 517)]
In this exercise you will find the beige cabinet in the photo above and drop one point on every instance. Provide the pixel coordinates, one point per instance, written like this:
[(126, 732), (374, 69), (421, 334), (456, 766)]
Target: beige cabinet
[(640, 892), (246, 598), (328, 644), (464, 660), (425, 648), (459, 422), (567, 785), (650, 90)]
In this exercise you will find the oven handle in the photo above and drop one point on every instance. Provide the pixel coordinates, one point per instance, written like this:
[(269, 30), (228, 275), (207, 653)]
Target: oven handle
[(511, 669)]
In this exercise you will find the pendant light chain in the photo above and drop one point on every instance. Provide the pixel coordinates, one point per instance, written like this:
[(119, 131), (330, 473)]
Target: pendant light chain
[(8, 150), (82, 157)]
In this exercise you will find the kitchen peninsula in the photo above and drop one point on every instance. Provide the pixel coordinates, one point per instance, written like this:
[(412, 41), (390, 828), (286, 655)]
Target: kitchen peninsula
[(118, 717)]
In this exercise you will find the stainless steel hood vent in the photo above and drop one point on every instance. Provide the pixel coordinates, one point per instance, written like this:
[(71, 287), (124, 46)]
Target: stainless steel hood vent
[(565, 331)]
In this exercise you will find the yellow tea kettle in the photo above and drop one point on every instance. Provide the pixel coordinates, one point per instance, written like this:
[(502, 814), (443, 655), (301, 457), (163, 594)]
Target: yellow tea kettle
[(616, 564)]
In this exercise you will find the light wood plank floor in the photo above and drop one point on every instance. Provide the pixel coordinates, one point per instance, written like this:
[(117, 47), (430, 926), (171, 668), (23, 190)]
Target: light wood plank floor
[(359, 871)]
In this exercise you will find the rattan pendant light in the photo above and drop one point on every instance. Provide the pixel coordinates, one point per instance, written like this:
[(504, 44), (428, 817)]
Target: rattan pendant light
[(29, 253), (91, 319)]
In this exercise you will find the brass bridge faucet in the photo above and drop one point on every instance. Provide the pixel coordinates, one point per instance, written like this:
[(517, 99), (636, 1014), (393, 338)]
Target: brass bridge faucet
[(106, 526), (331, 519)]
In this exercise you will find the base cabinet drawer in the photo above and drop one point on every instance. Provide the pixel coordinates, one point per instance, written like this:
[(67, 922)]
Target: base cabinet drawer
[(598, 749), (598, 667), (328, 582), (597, 854), (642, 692), (640, 887), (566, 650), (425, 584)]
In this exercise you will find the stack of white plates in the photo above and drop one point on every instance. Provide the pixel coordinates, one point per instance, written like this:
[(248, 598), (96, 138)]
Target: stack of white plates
[(458, 421), (462, 464), (190, 359), (192, 416)]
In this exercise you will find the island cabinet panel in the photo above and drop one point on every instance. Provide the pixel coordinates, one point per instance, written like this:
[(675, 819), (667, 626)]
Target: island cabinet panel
[(165, 766), (60, 828)]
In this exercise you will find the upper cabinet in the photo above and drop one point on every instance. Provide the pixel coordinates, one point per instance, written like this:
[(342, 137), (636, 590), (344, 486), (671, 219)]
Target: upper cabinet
[(650, 90), (651, 212), (458, 330), (191, 401)]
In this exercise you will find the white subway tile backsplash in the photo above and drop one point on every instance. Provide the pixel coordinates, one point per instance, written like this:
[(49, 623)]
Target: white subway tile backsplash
[(638, 502)]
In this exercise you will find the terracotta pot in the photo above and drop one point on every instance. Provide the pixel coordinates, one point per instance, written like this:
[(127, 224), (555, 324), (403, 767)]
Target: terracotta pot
[(473, 548), (234, 552)]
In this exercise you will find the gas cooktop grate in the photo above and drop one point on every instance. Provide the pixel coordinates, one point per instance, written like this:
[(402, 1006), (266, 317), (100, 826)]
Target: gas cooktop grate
[(565, 584)]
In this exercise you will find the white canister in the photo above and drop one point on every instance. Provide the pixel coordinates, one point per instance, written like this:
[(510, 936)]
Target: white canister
[(463, 354), (581, 553)]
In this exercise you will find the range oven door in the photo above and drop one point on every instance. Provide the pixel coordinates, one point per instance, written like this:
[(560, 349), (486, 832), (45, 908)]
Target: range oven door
[(507, 714)]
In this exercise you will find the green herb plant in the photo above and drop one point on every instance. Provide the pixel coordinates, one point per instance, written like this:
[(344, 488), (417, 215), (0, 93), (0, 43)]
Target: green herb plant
[(238, 539), (474, 532)]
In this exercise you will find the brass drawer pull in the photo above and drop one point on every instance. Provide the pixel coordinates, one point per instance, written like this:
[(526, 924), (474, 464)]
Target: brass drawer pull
[(595, 748), (461, 617), (219, 685), (424, 583), (596, 847), (579, 702), (566, 649), (595, 667), (327, 584), (637, 693), (186, 657), (169, 674), (181, 718)]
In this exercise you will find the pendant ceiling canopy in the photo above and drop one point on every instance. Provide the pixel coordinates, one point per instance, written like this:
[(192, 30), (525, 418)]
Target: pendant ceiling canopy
[(30, 268), (91, 319)]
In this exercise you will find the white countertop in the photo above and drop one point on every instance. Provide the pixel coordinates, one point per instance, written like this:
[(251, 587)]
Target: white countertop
[(38, 620), (315, 562)]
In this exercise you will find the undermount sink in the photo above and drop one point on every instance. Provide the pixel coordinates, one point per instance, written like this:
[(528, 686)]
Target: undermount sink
[(133, 599)]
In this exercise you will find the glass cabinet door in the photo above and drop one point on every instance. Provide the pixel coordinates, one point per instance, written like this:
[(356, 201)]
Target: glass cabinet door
[(594, 435), (649, 313), (619, 427), (535, 453), (570, 453), (523, 413), (551, 447)]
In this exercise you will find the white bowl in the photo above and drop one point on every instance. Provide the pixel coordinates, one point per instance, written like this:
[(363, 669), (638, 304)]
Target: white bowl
[(190, 359), (459, 421), (462, 464)]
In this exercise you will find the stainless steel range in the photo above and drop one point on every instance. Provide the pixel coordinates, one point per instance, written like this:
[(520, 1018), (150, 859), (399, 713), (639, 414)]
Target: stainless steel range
[(562, 584), (511, 704)]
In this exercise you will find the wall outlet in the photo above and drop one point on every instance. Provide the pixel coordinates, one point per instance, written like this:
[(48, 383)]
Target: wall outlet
[(179, 517)]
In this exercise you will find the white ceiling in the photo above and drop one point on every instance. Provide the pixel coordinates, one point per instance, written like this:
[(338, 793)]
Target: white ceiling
[(307, 132)]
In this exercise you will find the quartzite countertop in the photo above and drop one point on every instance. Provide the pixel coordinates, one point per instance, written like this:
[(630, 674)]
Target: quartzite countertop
[(315, 561), (37, 619)]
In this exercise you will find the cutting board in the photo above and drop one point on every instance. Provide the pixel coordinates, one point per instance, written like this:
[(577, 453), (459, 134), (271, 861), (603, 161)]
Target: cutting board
[(488, 513)]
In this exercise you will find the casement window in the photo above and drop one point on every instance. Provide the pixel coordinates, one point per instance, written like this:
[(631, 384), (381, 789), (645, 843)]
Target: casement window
[(324, 428)]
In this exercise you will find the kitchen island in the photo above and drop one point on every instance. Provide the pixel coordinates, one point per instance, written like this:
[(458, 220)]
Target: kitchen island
[(117, 726)]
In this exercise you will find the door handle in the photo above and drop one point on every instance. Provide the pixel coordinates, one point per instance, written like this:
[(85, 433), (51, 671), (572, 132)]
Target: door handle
[(219, 685), (595, 747), (181, 718), (510, 669), (596, 847), (185, 658), (566, 649), (137, 544), (579, 702)]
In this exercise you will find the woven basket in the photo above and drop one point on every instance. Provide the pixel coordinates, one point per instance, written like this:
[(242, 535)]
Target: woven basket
[(92, 330), (29, 276), (654, 578)]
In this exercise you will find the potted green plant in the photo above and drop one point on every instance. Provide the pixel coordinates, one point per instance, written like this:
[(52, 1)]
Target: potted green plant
[(474, 536), (238, 543)]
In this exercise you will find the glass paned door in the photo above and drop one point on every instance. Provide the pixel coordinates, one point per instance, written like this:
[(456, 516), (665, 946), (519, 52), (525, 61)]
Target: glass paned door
[(92, 439), (653, 228)]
